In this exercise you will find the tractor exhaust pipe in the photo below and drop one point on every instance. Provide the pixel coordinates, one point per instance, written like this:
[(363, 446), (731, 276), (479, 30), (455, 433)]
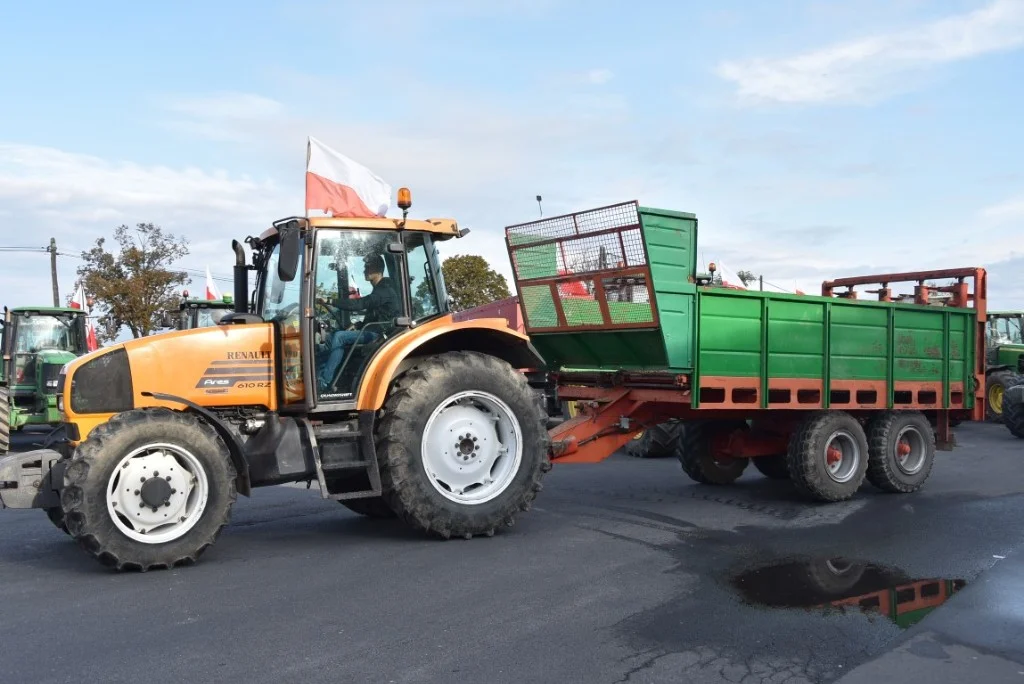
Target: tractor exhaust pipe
[(241, 279)]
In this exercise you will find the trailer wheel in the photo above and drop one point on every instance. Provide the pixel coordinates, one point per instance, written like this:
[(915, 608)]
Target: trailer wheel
[(149, 489), (463, 445), (1013, 411), (828, 456), (773, 467), (698, 458), (657, 441), (371, 507), (5, 420), (901, 451), (996, 384)]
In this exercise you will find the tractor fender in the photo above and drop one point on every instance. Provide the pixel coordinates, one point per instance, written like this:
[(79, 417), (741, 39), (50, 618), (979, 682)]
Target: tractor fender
[(235, 448), (486, 335)]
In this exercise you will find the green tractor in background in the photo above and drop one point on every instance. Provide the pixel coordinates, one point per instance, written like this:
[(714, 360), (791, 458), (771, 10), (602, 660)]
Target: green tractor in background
[(199, 313), (1004, 358), (36, 343)]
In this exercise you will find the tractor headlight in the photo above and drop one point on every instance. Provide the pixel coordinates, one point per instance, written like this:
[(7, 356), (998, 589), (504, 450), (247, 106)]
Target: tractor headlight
[(60, 403)]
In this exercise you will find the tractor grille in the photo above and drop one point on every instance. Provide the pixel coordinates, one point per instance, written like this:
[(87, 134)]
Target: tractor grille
[(51, 375)]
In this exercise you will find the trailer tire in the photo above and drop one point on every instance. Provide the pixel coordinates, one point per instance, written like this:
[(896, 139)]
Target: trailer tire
[(132, 445), (657, 441), (1013, 411), (773, 467), (888, 434), (5, 420), (441, 486), (697, 459), (811, 460), (371, 507), (996, 384)]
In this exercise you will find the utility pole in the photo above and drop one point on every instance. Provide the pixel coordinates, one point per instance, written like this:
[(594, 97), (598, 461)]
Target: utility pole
[(539, 206), (760, 280), (53, 270)]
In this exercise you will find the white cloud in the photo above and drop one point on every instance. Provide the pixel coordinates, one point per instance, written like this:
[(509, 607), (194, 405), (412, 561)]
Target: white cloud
[(1009, 210), (77, 198), (599, 76), (863, 70)]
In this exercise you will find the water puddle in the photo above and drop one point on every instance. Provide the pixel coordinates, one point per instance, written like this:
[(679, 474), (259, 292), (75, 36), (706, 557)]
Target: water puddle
[(836, 583)]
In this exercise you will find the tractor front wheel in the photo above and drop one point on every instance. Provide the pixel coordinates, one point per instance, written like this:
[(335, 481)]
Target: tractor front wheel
[(462, 445), (1013, 411), (657, 441), (996, 385), (149, 489)]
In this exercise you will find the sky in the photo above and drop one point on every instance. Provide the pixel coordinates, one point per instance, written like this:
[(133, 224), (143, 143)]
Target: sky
[(814, 139)]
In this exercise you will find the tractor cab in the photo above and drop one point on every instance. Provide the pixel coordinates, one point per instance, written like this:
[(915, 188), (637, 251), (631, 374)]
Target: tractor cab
[(1004, 358), (37, 343), (200, 313), (364, 282)]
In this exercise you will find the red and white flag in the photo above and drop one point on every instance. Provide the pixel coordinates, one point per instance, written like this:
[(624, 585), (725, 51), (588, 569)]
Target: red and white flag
[(211, 287), (79, 301), (339, 186)]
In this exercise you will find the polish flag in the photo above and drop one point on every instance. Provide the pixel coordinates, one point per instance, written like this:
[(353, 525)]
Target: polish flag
[(211, 287), (79, 301), (339, 186)]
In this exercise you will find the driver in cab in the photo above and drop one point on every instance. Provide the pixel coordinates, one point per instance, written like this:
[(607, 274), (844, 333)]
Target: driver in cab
[(382, 305)]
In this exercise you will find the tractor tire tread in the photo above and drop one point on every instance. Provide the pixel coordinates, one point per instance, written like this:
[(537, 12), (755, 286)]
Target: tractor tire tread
[(99, 537), (657, 441), (695, 457), (1007, 378), (399, 435)]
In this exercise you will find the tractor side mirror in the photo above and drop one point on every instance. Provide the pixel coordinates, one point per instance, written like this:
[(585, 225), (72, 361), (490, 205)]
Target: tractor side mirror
[(288, 252)]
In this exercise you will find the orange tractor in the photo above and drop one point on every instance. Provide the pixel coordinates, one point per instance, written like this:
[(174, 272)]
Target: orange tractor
[(349, 370)]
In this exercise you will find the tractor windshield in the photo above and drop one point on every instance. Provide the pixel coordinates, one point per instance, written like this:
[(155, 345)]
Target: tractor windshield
[(40, 332), (1006, 330), (203, 316)]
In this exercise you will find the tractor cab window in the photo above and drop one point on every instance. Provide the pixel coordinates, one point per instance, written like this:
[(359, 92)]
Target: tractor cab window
[(280, 300), (43, 332), (426, 285), (358, 296), (209, 316), (1005, 330)]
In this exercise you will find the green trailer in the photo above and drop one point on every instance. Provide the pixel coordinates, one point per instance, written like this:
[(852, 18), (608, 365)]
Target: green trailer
[(36, 343), (824, 390), (1004, 357)]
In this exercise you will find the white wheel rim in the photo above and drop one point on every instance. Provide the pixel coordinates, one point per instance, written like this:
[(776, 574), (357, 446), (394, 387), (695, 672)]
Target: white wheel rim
[(842, 456), (472, 447), (163, 474), (909, 459)]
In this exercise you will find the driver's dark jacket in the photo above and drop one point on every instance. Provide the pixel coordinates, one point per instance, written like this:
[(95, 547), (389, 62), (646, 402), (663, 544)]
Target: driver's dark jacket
[(382, 305)]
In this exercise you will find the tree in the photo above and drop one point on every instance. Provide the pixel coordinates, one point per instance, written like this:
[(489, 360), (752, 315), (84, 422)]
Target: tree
[(134, 287), (746, 277), (470, 281)]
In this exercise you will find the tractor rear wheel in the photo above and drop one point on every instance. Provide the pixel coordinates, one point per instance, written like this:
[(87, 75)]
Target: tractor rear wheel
[(697, 456), (149, 489), (657, 441), (1013, 411), (5, 420), (828, 456), (371, 507), (996, 384), (462, 445), (901, 451)]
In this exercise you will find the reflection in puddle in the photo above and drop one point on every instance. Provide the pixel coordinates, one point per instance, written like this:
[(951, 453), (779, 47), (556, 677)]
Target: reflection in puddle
[(836, 582)]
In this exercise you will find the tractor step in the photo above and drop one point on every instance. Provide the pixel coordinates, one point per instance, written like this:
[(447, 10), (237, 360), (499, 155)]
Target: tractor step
[(346, 461)]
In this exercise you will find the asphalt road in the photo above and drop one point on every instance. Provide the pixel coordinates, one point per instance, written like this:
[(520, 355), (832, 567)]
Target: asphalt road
[(623, 572)]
